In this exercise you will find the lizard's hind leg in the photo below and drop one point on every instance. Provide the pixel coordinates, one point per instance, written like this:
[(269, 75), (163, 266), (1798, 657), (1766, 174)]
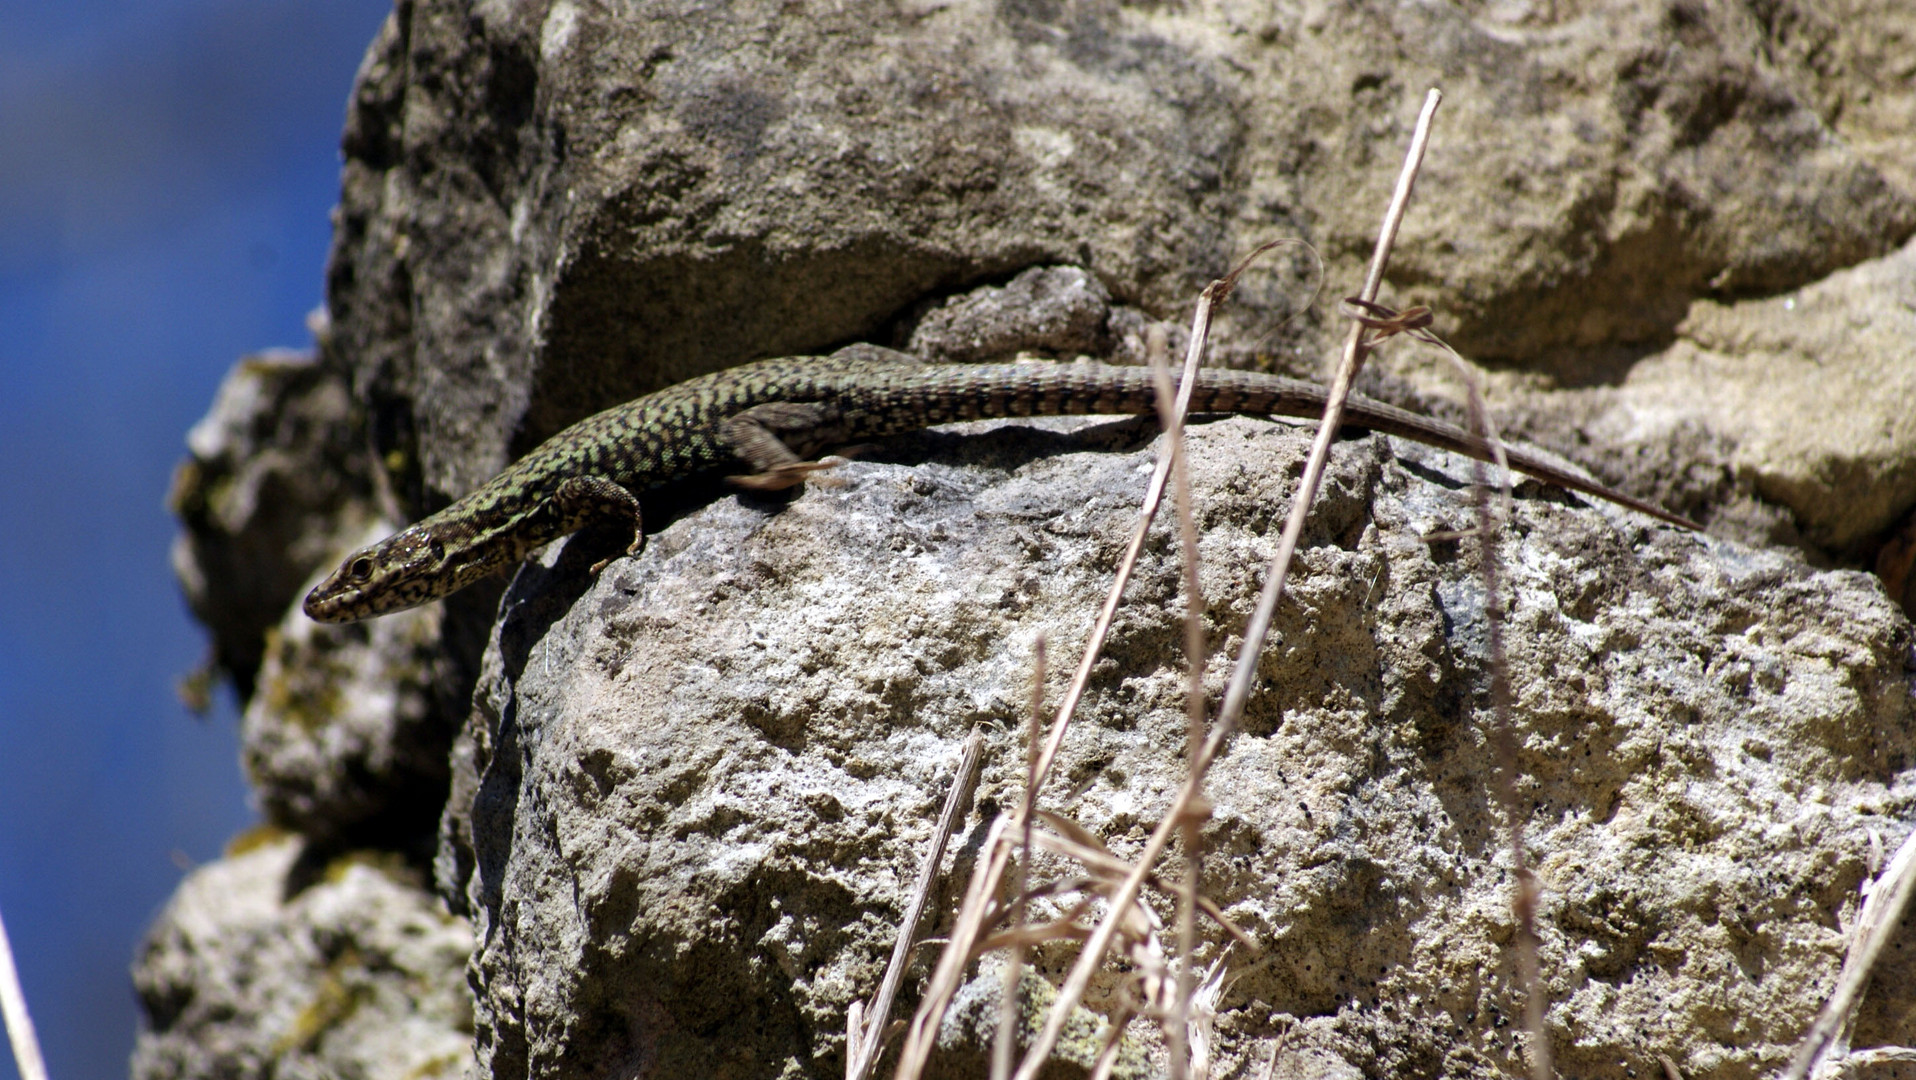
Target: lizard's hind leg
[(753, 437)]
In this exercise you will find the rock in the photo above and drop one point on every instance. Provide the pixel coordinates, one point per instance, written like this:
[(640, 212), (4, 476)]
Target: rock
[(346, 729), (343, 738), (1812, 389), (277, 472), (1782, 419), (1612, 165), (970, 1028), (706, 776), (268, 962), (1059, 310), (1851, 58)]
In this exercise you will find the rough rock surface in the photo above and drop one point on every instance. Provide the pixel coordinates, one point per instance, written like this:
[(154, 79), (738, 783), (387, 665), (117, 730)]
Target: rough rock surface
[(1815, 387), (1678, 231), (343, 739), (1799, 399), (273, 963), (276, 472), (552, 207), (707, 774), (970, 1028), (1072, 308)]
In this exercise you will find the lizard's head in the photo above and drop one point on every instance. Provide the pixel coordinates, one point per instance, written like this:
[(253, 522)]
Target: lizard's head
[(404, 570)]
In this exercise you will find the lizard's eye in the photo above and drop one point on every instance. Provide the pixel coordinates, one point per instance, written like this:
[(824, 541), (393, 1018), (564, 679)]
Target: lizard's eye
[(438, 551), (361, 569)]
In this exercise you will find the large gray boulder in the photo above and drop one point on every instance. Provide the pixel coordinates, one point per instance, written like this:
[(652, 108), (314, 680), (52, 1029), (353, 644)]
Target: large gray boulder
[(278, 960), (707, 775)]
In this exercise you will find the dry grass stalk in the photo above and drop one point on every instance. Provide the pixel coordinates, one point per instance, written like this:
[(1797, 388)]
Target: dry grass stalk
[(1213, 294), (854, 1040), (1825, 1049), (1858, 1061), (988, 875), (865, 1028), (1005, 1051), (1073, 841), (966, 932), (1176, 1025), (1523, 901), (13, 1008), (980, 911), (1415, 322), (1117, 882), (1355, 350), (1091, 957), (1151, 989), (1201, 1009)]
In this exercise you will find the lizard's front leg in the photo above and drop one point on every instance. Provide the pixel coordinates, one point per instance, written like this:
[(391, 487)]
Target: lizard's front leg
[(587, 500)]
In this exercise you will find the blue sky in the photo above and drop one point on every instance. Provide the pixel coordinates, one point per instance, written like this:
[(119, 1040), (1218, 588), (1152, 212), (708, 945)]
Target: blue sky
[(166, 169)]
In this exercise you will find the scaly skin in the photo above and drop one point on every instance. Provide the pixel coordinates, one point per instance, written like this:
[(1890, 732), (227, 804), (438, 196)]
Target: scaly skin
[(771, 414)]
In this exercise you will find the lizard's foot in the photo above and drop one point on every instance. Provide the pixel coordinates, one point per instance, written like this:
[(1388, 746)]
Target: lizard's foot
[(588, 500), (637, 545), (780, 477)]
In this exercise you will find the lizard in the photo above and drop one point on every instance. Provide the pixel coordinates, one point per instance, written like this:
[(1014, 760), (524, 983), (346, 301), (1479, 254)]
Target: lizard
[(770, 415)]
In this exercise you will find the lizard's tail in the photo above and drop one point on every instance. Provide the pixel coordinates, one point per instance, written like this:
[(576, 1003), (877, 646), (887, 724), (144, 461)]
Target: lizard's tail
[(945, 393)]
